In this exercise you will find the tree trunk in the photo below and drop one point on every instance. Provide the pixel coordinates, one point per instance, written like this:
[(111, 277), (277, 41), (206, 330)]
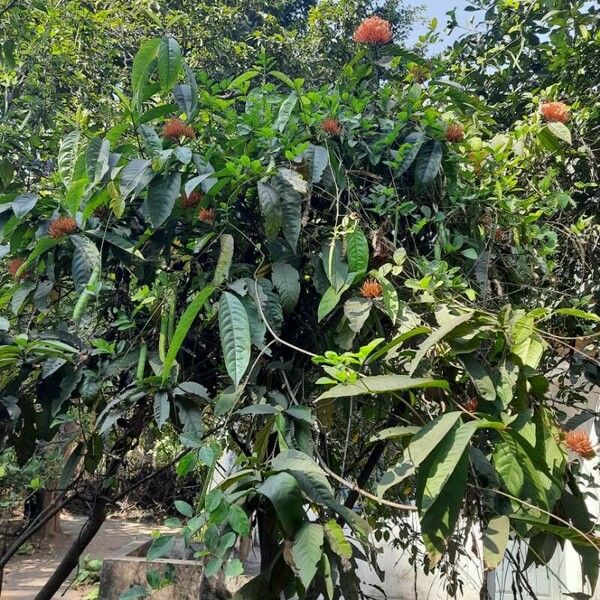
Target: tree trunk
[(71, 558), (267, 536)]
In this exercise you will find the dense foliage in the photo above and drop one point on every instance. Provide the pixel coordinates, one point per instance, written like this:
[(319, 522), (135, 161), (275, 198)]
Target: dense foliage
[(352, 287)]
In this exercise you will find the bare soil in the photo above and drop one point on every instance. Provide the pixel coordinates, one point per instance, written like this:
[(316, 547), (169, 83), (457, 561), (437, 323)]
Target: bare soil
[(24, 576)]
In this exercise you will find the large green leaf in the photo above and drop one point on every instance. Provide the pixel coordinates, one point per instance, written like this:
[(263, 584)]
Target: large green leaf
[(169, 62), (357, 311), (337, 539), (270, 206), (285, 495), (428, 163), (143, 64), (357, 250), (306, 551), (480, 377), (413, 142), (450, 323), (162, 194), (318, 159), (135, 176), (162, 408), (495, 540), (183, 326), (438, 523), (224, 261), (381, 384), (86, 258), (285, 111), (235, 335), (287, 281), (422, 444), (96, 159), (560, 130), (68, 154)]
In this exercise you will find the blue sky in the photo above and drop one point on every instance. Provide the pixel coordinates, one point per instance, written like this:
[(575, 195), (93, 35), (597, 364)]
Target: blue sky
[(438, 9)]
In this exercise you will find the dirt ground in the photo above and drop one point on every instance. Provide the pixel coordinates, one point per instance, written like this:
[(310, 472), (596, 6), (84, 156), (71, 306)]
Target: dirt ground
[(24, 576)]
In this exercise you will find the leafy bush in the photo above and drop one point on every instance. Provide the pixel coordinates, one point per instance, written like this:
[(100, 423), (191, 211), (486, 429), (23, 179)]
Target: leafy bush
[(311, 276)]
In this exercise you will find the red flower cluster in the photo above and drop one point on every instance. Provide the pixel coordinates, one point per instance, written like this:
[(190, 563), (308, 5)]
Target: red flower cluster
[(373, 31), (580, 443), (455, 132), (175, 128), (331, 126), (13, 267), (192, 200), (61, 226), (371, 289), (471, 405), (555, 112), (207, 215)]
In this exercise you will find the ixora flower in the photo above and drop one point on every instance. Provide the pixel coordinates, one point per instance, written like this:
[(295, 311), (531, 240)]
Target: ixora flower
[(13, 267), (555, 112), (455, 132), (207, 215), (580, 443), (331, 126), (471, 405), (193, 199), (175, 128), (61, 226), (373, 31), (371, 289)]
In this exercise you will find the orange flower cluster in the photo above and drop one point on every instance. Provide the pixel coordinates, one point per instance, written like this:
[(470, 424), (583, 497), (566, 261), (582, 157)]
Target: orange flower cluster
[(580, 443), (455, 132), (555, 112), (331, 126), (13, 267), (192, 200), (207, 215), (373, 31), (175, 128), (371, 289), (61, 226), (471, 405)]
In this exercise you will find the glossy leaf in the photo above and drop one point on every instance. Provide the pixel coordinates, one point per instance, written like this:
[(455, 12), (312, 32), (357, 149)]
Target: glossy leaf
[(235, 336)]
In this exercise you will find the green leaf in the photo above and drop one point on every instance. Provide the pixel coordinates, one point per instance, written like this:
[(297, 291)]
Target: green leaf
[(579, 314), (161, 546), (235, 336), (390, 297), (68, 154), (422, 444), (291, 210), (318, 159), (394, 433), (436, 336), (480, 377), (96, 159), (271, 209), (183, 326), (162, 194), (23, 204), (285, 496), (75, 194), (135, 176), (287, 282), (239, 521), (327, 578), (527, 345), (306, 551), (143, 64), (357, 311), (337, 539), (234, 568), (169, 62), (86, 257), (495, 540), (560, 130), (329, 301), (224, 260), (381, 384), (71, 464), (416, 140), (184, 508), (285, 112), (438, 523), (162, 408), (135, 593), (357, 250), (428, 163)]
